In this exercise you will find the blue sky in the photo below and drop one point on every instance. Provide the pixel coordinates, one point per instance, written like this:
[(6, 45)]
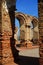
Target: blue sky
[(29, 7)]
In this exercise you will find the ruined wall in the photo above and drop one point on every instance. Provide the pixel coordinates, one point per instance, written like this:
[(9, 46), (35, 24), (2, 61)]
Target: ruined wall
[(40, 8), (40, 12), (21, 19), (0, 32), (6, 35), (26, 32)]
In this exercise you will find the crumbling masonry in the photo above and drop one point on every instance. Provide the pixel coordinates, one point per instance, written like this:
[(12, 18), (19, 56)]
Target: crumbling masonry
[(6, 31)]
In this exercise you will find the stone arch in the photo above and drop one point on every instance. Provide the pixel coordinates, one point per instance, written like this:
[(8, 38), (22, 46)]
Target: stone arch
[(35, 29), (22, 19), (25, 26), (32, 32)]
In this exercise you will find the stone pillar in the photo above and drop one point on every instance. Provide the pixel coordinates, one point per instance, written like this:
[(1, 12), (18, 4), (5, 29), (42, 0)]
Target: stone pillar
[(28, 29), (27, 32), (7, 55), (22, 32)]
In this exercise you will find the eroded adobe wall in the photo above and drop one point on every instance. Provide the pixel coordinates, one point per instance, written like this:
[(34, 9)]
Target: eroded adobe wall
[(0, 32), (6, 35)]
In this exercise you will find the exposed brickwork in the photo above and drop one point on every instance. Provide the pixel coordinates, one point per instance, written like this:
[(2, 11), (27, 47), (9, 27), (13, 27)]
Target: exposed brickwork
[(0, 32), (6, 35), (40, 19), (41, 30)]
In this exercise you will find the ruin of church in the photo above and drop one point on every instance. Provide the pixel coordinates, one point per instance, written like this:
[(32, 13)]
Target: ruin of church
[(26, 23), (27, 32)]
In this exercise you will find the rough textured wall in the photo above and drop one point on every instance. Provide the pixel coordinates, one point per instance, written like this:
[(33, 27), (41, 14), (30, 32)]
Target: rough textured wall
[(40, 10), (0, 32), (41, 19), (6, 35)]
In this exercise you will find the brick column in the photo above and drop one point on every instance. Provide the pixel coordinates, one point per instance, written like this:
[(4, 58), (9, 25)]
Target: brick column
[(41, 19), (40, 10), (7, 53), (0, 32)]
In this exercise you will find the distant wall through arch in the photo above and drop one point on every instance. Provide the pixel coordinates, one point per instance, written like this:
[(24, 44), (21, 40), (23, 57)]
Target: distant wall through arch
[(25, 26)]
